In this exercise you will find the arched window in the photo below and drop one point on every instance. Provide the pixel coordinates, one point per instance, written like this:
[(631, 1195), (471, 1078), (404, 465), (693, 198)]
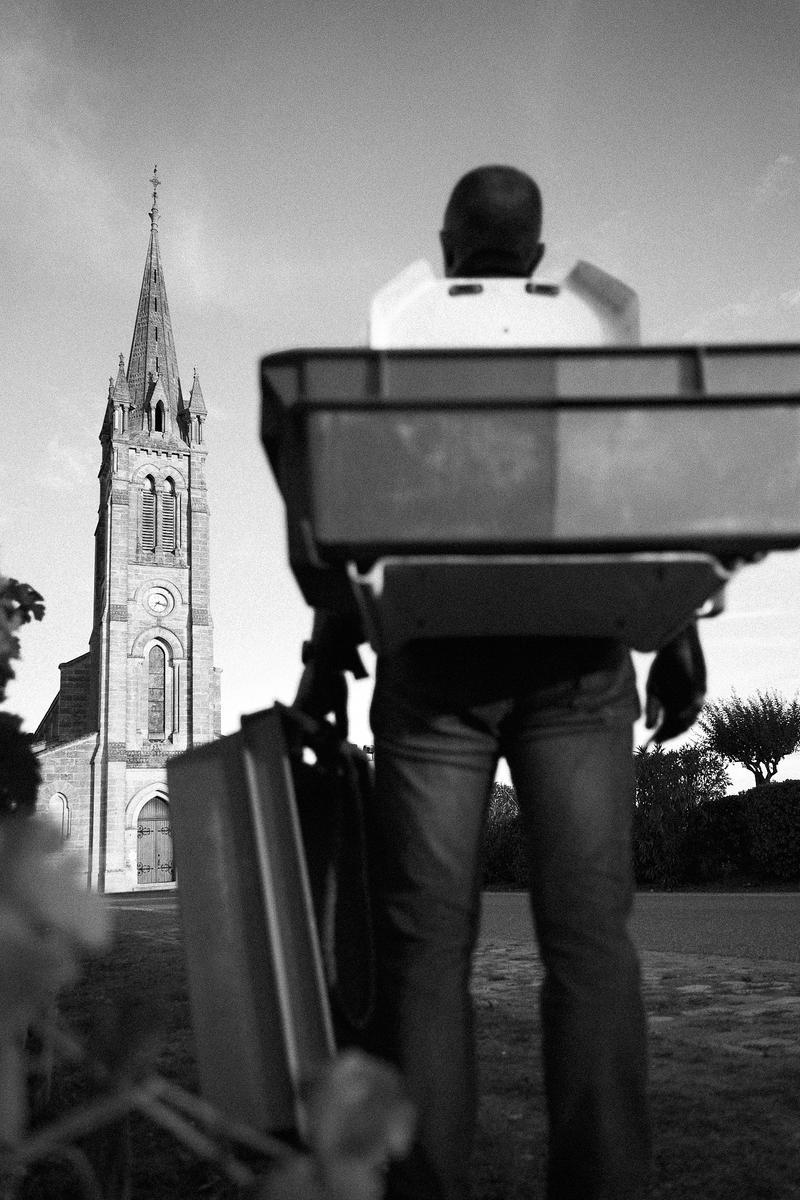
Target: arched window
[(156, 693), (58, 814), (159, 426), (149, 514), (169, 531)]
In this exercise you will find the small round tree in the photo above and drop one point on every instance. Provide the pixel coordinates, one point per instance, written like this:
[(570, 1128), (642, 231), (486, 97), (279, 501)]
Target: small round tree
[(670, 786), (757, 732)]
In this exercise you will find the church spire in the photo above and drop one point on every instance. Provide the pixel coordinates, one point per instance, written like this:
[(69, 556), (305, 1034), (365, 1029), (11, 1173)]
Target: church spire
[(153, 358)]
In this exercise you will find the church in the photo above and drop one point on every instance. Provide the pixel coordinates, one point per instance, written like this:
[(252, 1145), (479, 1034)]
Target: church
[(147, 688)]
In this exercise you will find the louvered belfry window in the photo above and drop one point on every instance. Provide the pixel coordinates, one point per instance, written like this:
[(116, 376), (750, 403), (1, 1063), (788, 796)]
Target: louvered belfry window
[(168, 518), (149, 515)]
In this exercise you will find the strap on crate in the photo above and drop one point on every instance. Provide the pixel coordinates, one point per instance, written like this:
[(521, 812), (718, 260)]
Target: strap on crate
[(333, 805)]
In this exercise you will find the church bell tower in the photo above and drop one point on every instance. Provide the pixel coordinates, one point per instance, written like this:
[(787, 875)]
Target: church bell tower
[(154, 689)]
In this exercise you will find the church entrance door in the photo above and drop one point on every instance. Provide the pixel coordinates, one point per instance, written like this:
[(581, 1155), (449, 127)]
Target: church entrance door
[(155, 860)]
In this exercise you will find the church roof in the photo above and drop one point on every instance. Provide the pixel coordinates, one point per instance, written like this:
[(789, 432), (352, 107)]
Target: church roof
[(153, 347)]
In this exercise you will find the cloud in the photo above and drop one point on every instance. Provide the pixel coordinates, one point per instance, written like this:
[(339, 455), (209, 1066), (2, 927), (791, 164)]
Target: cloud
[(613, 243), (778, 180), (67, 468), (752, 614), (55, 115), (761, 315), (731, 319), (67, 464)]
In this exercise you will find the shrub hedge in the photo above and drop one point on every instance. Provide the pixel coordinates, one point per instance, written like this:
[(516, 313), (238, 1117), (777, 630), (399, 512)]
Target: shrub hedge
[(752, 837), (772, 816), (717, 842)]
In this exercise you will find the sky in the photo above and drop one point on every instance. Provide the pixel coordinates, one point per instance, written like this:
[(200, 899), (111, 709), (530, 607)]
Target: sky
[(306, 151)]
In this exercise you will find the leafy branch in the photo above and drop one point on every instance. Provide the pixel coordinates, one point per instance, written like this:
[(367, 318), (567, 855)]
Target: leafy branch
[(19, 604), (19, 770), (356, 1116)]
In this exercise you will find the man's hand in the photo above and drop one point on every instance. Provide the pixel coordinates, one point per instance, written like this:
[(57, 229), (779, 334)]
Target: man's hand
[(676, 686), (322, 692), (331, 650)]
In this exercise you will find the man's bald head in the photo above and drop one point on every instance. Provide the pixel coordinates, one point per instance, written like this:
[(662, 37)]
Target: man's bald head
[(492, 224)]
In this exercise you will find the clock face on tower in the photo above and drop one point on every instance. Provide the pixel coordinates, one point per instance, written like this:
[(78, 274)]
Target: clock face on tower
[(159, 601)]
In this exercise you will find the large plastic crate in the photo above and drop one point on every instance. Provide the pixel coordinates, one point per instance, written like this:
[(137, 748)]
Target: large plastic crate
[(556, 451)]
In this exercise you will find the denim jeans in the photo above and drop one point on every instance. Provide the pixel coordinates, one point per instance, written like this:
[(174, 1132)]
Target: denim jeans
[(561, 713)]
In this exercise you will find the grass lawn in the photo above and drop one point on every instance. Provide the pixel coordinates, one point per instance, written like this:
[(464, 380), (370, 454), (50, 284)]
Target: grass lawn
[(725, 1077), (725, 1058)]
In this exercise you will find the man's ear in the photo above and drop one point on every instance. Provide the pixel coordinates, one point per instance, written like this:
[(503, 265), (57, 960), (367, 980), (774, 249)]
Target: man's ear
[(448, 251)]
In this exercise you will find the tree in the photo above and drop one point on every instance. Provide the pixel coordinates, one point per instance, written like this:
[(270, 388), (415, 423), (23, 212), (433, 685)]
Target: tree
[(504, 860), (19, 769), (670, 785), (19, 603), (688, 775), (757, 732)]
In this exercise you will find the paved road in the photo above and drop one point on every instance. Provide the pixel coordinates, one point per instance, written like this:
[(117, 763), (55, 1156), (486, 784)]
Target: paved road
[(752, 925)]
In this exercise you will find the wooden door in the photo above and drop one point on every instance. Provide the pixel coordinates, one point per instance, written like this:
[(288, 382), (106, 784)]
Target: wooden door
[(155, 858)]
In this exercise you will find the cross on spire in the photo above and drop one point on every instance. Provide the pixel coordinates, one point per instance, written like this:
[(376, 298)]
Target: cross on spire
[(154, 210)]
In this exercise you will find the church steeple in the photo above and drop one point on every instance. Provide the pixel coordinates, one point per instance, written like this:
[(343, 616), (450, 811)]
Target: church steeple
[(153, 358), (148, 688)]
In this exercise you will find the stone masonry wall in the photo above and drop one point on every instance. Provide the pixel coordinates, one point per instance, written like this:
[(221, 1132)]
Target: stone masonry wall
[(65, 770), (74, 698)]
